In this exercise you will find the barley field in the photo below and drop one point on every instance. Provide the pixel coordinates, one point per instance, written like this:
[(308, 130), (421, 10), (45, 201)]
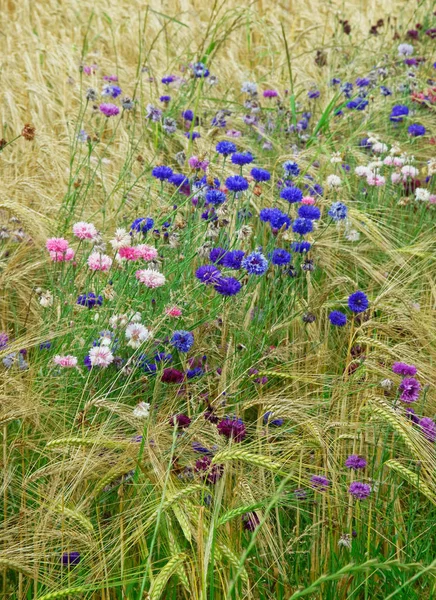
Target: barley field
[(218, 293)]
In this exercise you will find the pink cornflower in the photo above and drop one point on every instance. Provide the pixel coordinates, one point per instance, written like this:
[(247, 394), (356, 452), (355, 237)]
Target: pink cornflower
[(67, 361), (56, 244), (150, 278), (84, 231), (195, 163), (109, 109), (233, 133), (395, 178), (100, 356), (146, 252), (307, 200), (270, 94), (99, 262), (376, 180), (432, 199), (62, 256), (128, 253), (173, 311)]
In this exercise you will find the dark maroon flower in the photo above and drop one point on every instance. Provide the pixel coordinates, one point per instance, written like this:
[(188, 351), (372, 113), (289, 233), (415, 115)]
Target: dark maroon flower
[(232, 427), (250, 521), (210, 416), (172, 376), (181, 420), (211, 472)]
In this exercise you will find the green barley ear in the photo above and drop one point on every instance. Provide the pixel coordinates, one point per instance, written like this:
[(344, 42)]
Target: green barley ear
[(159, 583), (412, 478), (64, 593)]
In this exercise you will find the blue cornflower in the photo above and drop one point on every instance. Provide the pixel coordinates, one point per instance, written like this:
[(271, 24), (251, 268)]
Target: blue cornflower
[(291, 168), (301, 247), (338, 211), (347, 88), (385, 91), (228, 286), (416, 130), (163, 357), (308, 211), (111, 90), (242, 158), (216, 255), (233, 259), (165, 98), (178, 180), (362, 81), (302, 226), (275, 217), (162, 172), (337, 318), (195, 372), (143, 224), (236, 183), (291, 194), (45, 345), (358, 103), (260, 174), (215, 197), (188, 115), (89, 300), (268, 419), (255, 263), (200, 70), (335, 81), (398, 112), (208, 274), (313, 94), (364, 143), (192, 135), (358, 302), (168, 79), (280, 257), (225, 148), (182, 340)]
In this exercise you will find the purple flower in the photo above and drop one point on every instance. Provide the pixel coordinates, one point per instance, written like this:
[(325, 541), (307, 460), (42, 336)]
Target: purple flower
[(270, 94), (172, 376), (250, 521), (212, 473), (162, 172), (268, 419), (300, 494), (313, 94), (232, 428), (337, 318), (181, 420), (109, 110), (358, 302), (359, 490), (70, 558), (319, 482), (428, 428), (233, 259), (228, 286), (90, 300), (410, 389), (208, 274), (4, 339), (401, 368), (255, 263), (354, 461)]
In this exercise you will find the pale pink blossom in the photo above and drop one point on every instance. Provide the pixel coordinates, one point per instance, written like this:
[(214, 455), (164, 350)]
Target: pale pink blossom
[(393, 161), (307, 200), (362, 171), (150, 278), (62, 256), (99, 262), (85, 231), (376, 180), (121, 239), (195, 163), (146, 252), (396, 178), (100, 356), (409, 171), (233, 133), (173, 311), (379, 147), (57, 244), (136, 333), (67, 361)]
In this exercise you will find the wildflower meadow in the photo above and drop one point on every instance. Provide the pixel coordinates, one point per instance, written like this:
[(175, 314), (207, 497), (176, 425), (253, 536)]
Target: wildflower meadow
[(218, 292)]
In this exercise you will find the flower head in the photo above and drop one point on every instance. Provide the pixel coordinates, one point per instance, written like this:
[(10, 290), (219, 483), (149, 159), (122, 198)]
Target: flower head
[(255, 263), (338, 211), (232, 427), (85, 231), (89, 300), (100, 356), (182, 340), (208, 274), (68, 361), (280, 257), (291, 194), (99, 262), (416, 130), (225, 148), (320, 482), (162, 172), (236, 183), (150, 278), (228, 286), (307, 211), (260, 174), (142, 410), (428, 427), (136, 334), (302, 226), (410, 389), (337, 318), (109, 109), (358, 302), (359, 490), (355, 462), (404, 369)]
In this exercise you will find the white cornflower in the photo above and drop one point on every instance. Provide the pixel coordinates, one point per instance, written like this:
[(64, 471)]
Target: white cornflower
[(142, 410), (121, 239), (422, 194), (136, 334), (334, 181)]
